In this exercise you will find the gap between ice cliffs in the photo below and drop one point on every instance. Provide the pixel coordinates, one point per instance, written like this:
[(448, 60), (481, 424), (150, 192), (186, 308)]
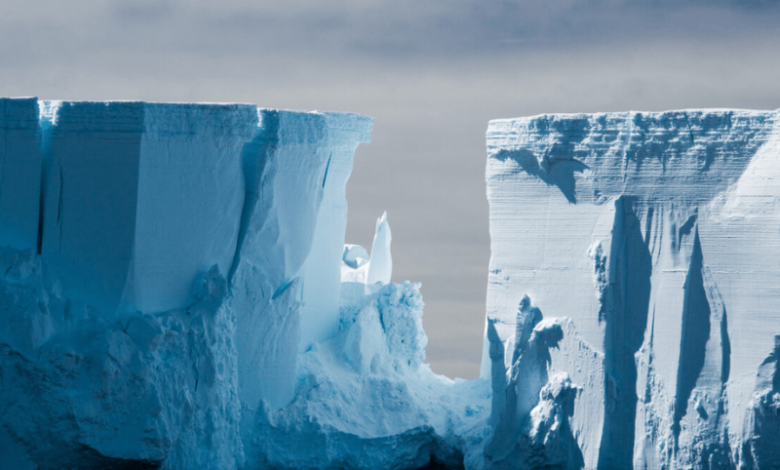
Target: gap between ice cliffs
[(177, 294)]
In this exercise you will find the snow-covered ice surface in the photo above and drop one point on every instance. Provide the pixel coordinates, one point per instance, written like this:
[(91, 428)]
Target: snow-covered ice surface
[(177, 294), (654, 240)]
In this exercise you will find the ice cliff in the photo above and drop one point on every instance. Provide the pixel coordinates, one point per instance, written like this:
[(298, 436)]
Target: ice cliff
[(177, 294), (172, 297), (653, 239)]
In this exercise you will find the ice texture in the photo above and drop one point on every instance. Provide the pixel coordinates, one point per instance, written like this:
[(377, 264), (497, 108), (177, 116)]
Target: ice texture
[(656, 236)]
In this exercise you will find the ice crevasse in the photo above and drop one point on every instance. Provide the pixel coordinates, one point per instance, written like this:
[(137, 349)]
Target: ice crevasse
[(177, 294)]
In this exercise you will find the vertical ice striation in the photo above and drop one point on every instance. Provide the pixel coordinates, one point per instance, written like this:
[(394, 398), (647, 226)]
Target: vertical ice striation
[(656, 234), (141, 197)]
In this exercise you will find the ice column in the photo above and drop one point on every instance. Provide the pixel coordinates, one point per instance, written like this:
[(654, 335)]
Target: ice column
[(20, 172), (286, 276)]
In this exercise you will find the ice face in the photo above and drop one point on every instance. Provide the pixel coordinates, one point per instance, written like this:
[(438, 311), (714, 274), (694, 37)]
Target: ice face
[(20, 173), (188, 253), (656, 234), (140, 197), (290, 245)]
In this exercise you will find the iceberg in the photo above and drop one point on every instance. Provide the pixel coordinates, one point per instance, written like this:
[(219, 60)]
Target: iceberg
[(655, 236), (177, 294)]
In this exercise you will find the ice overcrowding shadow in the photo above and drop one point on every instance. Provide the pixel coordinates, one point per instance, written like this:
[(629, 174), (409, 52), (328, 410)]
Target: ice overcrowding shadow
[(555, 171)]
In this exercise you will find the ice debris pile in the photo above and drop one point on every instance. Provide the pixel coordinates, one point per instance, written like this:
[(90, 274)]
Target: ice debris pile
[(657, 237), (172, 298), (177, 294)]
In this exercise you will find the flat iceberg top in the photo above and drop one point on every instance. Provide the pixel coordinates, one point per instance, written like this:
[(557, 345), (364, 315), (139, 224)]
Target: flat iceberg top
[(693, 154), (197, 119)]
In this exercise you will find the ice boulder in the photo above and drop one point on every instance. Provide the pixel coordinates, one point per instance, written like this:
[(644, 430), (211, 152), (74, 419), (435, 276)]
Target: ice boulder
[(656, 235)]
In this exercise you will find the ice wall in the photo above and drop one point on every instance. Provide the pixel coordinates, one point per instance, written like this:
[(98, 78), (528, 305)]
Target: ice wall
[(164, 265), (656, 234), (176, 294), (20, 172), (141, 197), (290, 244)]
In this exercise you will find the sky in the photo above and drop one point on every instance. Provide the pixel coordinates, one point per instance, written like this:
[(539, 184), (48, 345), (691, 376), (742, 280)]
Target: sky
[(432, 73)]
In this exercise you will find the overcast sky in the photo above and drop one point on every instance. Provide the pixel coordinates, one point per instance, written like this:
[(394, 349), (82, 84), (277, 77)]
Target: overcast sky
[(431, 72)]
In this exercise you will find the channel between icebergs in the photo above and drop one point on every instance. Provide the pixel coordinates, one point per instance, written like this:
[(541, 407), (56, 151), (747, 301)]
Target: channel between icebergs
[(177, 294)]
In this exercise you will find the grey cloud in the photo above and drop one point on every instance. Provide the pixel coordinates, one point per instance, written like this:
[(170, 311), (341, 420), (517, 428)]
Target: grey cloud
[(407, 29), (381, 31), (143, 10)]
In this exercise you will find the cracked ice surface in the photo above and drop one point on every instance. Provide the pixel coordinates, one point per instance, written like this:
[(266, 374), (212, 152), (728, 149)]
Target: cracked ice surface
[(656, 234)]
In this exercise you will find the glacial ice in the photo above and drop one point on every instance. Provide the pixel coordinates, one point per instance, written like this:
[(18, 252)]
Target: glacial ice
[(177, 294), (656, 236)]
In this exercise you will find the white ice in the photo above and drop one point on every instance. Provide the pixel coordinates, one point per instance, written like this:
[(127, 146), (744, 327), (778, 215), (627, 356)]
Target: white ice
[(656, 235)]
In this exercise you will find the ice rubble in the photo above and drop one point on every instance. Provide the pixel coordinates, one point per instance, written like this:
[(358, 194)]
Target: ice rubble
[(177, 294)]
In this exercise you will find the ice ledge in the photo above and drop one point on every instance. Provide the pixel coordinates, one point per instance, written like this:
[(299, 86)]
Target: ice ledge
[(692, 154)]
